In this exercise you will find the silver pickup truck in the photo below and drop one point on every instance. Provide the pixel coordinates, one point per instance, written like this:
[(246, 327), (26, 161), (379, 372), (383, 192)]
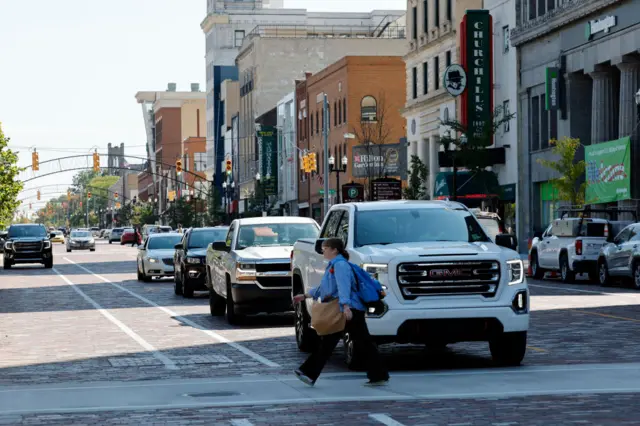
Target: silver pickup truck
[(250, 272)]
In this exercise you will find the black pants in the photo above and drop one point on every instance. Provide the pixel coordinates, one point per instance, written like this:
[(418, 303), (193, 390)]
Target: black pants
[(364, 345)]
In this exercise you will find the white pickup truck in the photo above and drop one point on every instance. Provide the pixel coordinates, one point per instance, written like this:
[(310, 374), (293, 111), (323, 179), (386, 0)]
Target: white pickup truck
[(445, 280)]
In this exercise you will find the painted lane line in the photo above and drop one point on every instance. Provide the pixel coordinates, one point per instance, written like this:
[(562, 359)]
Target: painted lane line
[(385, 420), (241, 422), (536, 349), (146, 345), (609, 316), (571, 289), (180, 318)]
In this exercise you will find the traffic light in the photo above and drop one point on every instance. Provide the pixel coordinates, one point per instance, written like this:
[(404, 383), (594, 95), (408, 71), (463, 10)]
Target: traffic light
[(313, 165), (38, 195), (96, 162), (35, 161), (305, 163), (228, 167), (178, 166), (115, 196), (89, 195)]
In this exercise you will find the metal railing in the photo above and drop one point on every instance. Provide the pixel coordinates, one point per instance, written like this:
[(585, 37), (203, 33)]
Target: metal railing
[(327, 31)]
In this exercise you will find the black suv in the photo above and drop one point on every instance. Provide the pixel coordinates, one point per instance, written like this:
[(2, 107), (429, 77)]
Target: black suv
[(28, 243)]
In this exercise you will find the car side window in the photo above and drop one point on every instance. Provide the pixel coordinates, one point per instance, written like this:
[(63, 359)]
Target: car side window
[(635, 233), (229, 238), (331, 226), (623, 236), (343, 228), (549, 232)]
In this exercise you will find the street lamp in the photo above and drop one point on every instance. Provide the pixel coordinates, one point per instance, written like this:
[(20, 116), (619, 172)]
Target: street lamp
[(228, 189), (342, 168)]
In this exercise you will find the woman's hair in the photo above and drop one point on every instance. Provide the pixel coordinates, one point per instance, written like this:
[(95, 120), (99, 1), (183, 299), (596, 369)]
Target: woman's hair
[(338, 244)]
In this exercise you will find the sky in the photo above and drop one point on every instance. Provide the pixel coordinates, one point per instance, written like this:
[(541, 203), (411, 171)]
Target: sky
[(71, 68)]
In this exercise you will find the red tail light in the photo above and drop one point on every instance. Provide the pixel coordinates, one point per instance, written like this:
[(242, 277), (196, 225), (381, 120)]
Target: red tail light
[(579, 247)]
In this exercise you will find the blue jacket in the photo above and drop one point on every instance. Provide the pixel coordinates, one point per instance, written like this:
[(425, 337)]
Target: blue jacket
[(338, 282)]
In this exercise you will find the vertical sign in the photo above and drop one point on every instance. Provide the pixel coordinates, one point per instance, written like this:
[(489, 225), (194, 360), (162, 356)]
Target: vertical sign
[(476, 41), (268, 154), (608, 173), (552, 86)]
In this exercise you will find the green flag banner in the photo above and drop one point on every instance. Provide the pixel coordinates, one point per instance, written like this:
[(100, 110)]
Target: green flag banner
[(608, 171)]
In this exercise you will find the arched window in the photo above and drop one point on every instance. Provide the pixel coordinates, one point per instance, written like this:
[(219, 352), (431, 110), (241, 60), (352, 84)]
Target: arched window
[(368, 109)]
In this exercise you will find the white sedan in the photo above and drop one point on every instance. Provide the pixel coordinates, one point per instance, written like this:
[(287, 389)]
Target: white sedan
[(155, 256)]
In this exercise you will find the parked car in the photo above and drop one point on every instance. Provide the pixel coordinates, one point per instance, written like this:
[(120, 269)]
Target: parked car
[(191, 257), (95, 231), (620, 258), (129, 236), (445, 280), (155, 256), (80, 240), (57, 237), (115, 235), (28, 243), (250, 271), (3, 238)]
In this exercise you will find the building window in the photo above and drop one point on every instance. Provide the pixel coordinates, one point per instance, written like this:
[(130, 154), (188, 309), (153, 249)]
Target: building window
[(328, 116), (369, 109), (317, 122), (238, 38), (544, 124), (436, 13), (344, 110), (311, 124), (414, 82), (551, 4), (425, 78), (553, 128), (199, 161), (436, 73), (505, 113), (535, 123), (505, 39), (448, 58), (414, 23), (449, 11), (339, 112), (335, 113), (532, 9), (425, 15)]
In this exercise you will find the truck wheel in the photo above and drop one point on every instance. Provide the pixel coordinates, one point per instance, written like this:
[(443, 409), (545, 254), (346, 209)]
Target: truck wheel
[(68, 250), (306, 337), (217, 304), (177, 288), (603, 273), (536, 270), (7, 264), (509, 348), (567, 275), (187, 288), (352, 354), (48, 264), (233, 317)]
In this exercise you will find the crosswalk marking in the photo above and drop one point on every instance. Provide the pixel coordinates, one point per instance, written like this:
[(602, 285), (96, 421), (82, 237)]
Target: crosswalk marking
[(241, 422), (385, 420)]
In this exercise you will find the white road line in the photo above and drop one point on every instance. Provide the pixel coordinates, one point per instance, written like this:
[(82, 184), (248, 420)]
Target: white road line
[(241, 422), (574, 289), (210, 333), (146, 345), (385, 420)]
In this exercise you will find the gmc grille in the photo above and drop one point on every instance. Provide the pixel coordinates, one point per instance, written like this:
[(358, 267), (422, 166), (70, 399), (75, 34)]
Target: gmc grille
[(448, 278), (21, 247), (273, 267)]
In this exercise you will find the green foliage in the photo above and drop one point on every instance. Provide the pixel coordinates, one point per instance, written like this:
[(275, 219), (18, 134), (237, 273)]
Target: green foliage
[(181, 212), (143, 214), (417, 188), (570, 184), (10, 186)]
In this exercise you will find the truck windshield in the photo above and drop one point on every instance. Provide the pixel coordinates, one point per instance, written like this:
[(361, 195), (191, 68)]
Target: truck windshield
[(27, 232), (274, 234), (416, 225), (202, 239), (167, 242)]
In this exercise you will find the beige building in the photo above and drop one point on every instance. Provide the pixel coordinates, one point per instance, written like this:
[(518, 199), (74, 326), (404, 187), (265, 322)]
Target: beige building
[(433, 44)]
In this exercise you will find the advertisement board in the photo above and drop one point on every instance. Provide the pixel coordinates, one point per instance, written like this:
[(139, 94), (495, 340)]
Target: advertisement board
[(608, 171), (379, 160), (268, 155)]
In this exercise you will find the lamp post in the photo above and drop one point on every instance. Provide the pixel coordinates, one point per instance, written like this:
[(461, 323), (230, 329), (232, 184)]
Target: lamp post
[(264, 192), (228, 192), (337, 170)]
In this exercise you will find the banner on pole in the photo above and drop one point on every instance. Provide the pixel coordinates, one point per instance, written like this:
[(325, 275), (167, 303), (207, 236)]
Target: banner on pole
[(608, 170)]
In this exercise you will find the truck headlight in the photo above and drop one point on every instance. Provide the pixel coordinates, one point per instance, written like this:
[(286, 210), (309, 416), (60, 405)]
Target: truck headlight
[(515, 269), (193, 260), (245, 271), (8, 245), (376, 270), (47, 244)]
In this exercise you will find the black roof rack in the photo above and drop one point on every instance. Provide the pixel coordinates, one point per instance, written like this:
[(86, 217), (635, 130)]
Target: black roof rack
[(612, 212)]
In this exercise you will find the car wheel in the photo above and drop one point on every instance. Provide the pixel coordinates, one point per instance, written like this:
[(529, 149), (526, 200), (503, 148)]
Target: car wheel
[(187, 288), (110, 242), (92, 249), (68, 250), (7, 264), (140, 276), (353, 355), (217, 304), (509, 348), (567, 275), (536, 270), (233, 317), (603, 273), (636, 275), (145, 277), (306, 337)]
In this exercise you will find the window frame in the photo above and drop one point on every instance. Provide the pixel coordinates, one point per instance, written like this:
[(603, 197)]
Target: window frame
[(235, 38), (506, 41), (323, 232), (365, 117)]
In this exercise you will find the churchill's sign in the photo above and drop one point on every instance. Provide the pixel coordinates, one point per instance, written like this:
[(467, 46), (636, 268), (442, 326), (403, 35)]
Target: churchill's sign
[(477, 60)]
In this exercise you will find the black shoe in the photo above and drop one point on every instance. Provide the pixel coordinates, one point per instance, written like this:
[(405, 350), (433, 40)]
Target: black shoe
[(304, 379), (374, 383)]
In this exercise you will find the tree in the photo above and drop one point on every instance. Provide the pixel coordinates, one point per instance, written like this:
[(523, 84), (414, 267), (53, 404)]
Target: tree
[(417, 189), (570, 184), (181, 212), (143, 214), (10, 186)]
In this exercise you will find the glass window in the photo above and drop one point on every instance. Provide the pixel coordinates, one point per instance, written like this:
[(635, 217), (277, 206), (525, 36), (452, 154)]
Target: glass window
[(544, 124), (202, 238), (623, 236), (274, 234), (448, 58), (532, 9), (436, 13), (331, 227), (436, 73), (238, 37), (343, 228), (425, 15), (369, 108), (165, 242), (311, 124), (414, 23), (492, 226), (553, 125), (414, 82), (335, 113), (505, 39), (80, 234), (200, 161), (449, 10), (505, 113), (27, 232), (230, 235), (635, 233), (317, 122), (416, 225), (535, 123), (425, 78), (344, 110)]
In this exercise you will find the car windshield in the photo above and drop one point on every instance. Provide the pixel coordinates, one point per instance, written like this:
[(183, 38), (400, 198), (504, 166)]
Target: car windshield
[(80, 234), (128, 230), (57, 233), (167, 242), (416, 225), (276, 234), (491, 226), (116, 230), (202, 239), (165, 229), (27, 232)]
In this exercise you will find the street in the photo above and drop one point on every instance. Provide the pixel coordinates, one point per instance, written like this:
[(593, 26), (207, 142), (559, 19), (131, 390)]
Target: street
[(86, 343)]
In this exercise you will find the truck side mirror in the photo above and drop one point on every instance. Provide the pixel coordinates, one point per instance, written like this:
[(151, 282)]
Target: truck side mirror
[(220, 246), (318, 246), (507, 241)]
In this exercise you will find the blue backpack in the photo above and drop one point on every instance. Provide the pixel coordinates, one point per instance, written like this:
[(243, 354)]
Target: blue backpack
[(368, 289)]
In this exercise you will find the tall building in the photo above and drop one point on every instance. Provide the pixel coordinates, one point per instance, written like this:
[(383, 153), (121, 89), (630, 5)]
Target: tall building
[(287, 160), (579, 72)]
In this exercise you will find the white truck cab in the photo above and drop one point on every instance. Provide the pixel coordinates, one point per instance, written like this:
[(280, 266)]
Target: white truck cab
[(446, 281)]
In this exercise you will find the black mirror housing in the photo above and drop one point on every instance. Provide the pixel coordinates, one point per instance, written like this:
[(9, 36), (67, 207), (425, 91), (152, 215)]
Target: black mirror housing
[(507, 241), (220, 246), (318, 246), (178, 247)]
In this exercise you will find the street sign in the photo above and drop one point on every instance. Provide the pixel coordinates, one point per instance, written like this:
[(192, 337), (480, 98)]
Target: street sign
[(353, 193), (455, 79), (387, 189), (331, 192)]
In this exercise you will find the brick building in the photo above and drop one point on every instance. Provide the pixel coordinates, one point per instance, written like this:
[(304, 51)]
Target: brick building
[(360, 89)]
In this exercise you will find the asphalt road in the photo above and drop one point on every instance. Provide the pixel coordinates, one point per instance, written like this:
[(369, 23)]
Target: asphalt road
[(85, 343)]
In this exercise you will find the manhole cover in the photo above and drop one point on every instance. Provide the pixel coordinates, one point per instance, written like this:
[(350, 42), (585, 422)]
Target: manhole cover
[(212, 394)]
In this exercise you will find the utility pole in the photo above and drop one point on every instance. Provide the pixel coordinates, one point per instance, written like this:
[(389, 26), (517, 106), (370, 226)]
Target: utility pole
[(325, 155)]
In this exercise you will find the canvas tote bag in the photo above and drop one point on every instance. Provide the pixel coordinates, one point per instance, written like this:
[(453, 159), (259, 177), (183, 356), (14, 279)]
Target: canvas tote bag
[(326, 317)]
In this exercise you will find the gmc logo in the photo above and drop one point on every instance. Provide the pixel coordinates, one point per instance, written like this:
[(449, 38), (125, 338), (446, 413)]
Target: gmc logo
[(446, 273)]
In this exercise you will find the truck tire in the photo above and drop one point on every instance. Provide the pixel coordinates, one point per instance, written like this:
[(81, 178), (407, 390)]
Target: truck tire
[(187, 288), (306, 337), (7, 264), (536, 271), (233, 317), (48, 264), (177, 288), (217, 304), (508, 349), (354, 358), (566, 274)]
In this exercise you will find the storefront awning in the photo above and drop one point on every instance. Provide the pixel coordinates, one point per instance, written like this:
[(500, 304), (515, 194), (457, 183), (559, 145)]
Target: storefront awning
[(471, 185)]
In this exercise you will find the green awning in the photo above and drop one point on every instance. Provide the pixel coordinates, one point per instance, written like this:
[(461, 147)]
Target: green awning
[(471, 185)]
